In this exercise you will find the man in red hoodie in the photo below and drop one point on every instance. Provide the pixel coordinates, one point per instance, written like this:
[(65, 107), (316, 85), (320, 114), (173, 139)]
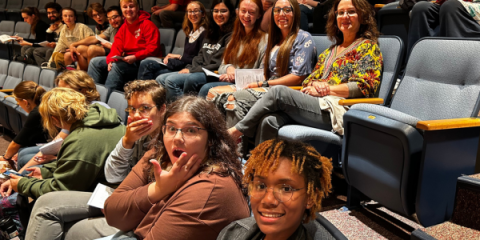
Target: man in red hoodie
[(136, 40)]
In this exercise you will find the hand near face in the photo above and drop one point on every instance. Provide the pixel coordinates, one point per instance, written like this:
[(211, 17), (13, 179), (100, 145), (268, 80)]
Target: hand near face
[(168, 182), (136, 130)]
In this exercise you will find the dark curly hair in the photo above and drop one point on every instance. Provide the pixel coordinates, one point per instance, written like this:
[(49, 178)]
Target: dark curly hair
[(368, 25), (221, 147), (306, 161)]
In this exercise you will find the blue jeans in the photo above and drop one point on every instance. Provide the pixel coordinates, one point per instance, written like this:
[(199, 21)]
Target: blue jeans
[(204, 90), (120, 73), (25, 154), (150, 69), (177, 84)]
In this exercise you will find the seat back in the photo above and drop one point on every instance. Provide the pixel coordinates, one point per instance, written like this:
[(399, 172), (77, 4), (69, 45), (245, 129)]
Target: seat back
[(7, 27), (167, 36), (64, 3), (393, 20), (32, 73), (3, 4), (179, 43), (47, 78), (3, 71), (14, 6), (22, 29), (321, 42), (441, 80), (41, 5), (95, 1), (147, 5), (79, 5), (109, 3), (92, 27), (392, 49), (119, 103), (15, 75), (30, 3), (103, 92)]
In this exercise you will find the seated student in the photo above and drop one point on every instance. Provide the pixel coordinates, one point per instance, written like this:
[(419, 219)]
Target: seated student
[(146, 104), (289, 58), (146, 107), (299, 178), (195, 24), (455, 18), (350, 68), (78, 81), (86, 49), (247, 47), (72, 32), (306, 13), (54, 14), (94, 132), (28, 95), (192, 77), (38, 30), (201, 192), (137, 39), (165, 16)]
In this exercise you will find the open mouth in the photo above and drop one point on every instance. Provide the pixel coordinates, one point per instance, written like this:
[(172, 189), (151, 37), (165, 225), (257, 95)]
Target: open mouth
[(177, 152), (272, 215)]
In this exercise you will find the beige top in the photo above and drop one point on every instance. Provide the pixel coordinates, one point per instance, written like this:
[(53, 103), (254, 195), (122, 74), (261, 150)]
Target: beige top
[(68, 37)]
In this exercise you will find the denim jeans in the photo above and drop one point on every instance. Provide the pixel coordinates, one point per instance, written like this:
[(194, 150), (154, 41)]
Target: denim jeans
[(120, 73), (204, 90), (25, 154), (150, 69), (178, 84), (66, 215)]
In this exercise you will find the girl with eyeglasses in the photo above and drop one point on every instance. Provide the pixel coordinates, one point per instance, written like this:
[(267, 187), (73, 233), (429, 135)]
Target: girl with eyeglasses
[(287, 181), (245, 50), (195, 25), (188, 186), (191, 78)]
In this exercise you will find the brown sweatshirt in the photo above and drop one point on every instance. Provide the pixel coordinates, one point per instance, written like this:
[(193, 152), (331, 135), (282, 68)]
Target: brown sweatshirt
[(199, 209)]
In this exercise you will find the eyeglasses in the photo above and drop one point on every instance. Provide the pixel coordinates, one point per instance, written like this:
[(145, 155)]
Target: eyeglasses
[(143, 110), (221, 11), (244, 12), (342, 13), (113, 17), (281, 192), (187, 132), (97, 15), (285, 10), (195, 12)]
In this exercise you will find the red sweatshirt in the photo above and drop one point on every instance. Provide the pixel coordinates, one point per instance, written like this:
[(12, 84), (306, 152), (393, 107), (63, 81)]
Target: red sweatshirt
[(141, 39)]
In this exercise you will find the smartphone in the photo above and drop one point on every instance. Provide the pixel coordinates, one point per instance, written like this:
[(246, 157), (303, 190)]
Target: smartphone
[(9, 171)]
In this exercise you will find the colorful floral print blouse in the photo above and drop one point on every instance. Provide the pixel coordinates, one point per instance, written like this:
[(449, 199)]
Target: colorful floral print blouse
[(361, 62)]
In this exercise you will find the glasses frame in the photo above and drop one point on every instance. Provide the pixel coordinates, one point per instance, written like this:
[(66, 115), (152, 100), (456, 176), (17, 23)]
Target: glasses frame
[(131, 110), (164, 127), (250, 187), (346, 13), (111, 18), (194, 12), (282, 10)]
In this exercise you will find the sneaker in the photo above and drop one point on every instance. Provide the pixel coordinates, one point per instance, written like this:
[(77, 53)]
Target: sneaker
[(46, 65)]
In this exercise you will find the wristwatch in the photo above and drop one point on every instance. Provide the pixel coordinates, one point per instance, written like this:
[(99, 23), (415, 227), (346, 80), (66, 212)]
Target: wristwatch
[(265, 84)]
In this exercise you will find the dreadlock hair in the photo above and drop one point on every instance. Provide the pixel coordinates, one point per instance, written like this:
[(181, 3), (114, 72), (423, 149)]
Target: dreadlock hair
[(306, 161)]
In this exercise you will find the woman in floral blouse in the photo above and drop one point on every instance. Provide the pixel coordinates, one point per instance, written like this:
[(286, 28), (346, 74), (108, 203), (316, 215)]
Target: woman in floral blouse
[(350, 68)]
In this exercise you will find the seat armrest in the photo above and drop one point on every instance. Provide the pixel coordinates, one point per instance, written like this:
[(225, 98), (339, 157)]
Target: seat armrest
[(6, 90), (349, 102), (431, 125), (379, 6), (295, 87)]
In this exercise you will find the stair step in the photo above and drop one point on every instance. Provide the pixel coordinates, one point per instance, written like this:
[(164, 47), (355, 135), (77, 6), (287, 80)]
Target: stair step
[(446, 230), (467, 202)]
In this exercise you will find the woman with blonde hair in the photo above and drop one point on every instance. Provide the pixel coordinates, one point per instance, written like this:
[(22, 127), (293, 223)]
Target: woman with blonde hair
[(28, 95), (94, 132), (194, 26)]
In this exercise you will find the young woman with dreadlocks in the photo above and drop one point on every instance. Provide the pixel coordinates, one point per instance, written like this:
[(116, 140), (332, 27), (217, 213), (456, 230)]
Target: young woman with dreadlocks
[(299, 178)]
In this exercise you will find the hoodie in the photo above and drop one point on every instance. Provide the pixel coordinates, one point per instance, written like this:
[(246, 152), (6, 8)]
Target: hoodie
[(141, 38), (81, 159)]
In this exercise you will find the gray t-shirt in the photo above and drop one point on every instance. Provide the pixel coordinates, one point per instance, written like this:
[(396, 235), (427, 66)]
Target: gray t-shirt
[(110, 33)]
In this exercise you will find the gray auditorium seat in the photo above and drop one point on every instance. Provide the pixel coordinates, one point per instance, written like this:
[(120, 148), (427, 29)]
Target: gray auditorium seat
[(22, 29), (321, 42), (43, 12), (103, 92), (30, 3), (7, 28), (179, 46), (167, 36), (3, 71), (47, 79), (64, 3), (14, 77), (330, 144), (13, 10), (117, 101), (399, 158), (80, 6), (109, 3)]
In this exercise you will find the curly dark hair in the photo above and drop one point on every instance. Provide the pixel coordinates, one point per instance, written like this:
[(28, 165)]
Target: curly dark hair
[(368, 25), (306, 161), (221, 147)]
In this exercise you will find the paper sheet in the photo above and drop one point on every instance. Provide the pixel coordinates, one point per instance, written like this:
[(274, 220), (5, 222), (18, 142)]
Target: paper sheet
[(52, 147), (100, 195), (44, 44), (210, 73), (243, 77), (6, 38), (101, 39), (117, 57), (158, 60)]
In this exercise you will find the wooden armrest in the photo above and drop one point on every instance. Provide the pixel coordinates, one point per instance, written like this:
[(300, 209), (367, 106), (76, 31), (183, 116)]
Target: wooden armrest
[(215, 72), (349, 102), (296, 87), (443, 124), (6, 90), (378, 6)]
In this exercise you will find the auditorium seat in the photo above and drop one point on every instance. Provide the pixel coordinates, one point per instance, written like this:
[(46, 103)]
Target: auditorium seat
[(93, 27), (6, 28), (64, 3), (103, 92), (13, 10), (3, 5), (47, 79), (14, 77), (30, 3), (118, 102), (393, 20), (167, 36), (22, 29), (179, 46), (408, 157), (3, 71), (80, 6), (109, 3), (43, 11)]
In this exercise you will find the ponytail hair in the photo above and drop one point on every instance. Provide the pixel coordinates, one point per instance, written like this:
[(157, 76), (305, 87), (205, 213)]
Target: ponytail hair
[(29, 90), (32, 11)]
